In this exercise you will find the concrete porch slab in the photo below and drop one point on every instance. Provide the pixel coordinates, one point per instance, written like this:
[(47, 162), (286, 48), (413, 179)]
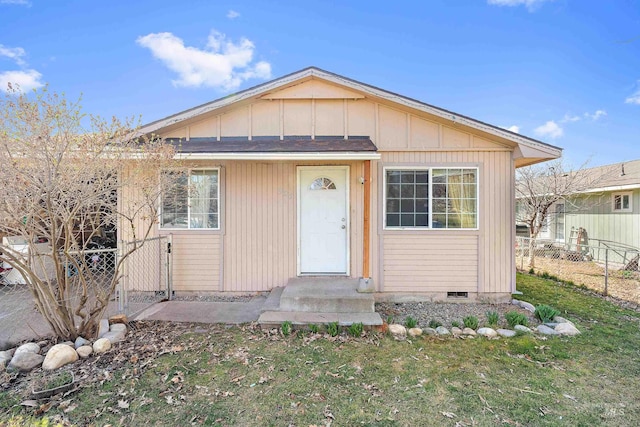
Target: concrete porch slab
[(325, 295)]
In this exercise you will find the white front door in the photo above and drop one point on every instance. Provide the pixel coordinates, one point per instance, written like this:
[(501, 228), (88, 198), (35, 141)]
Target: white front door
[(323, 222)]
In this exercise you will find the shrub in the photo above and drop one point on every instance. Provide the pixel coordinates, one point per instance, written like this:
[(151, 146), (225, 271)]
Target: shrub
[(545, 313), (356, 329), (434, 323), (410, 322), (514, 318), (492, 318), (314, 328), (286, 328), (470, 322), (532, 271), (333, 329)]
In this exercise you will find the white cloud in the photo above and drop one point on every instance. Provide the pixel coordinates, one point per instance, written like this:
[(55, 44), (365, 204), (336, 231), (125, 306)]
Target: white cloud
[(549, 130), (531, 5), (15, 53), (635, 97), (24, 80), (221, 64), (597, 115), (20, 2), (514, 128), (232, 14), (568, 118)]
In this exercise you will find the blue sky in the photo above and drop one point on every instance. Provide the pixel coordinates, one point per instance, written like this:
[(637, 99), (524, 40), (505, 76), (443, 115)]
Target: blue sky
[(566, 72)]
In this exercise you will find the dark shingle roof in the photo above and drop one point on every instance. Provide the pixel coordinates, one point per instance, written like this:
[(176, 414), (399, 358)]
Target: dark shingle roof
[(297, 144)]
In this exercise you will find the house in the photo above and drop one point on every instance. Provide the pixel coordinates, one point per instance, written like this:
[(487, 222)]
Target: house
[(316, 174), (607, 214)]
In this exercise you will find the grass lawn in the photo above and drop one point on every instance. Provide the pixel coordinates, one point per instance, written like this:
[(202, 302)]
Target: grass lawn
[(219, 376)]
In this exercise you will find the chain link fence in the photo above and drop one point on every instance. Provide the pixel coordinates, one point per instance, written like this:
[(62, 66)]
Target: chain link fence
[(144, 280), (601, 266), (146, 277), (19, 316)]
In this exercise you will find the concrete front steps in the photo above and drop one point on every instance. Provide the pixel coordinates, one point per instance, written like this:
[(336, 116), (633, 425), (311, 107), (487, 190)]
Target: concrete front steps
[(320, 300)]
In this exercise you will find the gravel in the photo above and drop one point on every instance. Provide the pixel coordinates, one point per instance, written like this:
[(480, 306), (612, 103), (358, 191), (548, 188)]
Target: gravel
[(447, 313)]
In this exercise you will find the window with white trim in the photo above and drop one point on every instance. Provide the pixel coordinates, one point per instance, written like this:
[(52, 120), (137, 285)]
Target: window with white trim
[(191, 200), (622, 202), (418, 198)]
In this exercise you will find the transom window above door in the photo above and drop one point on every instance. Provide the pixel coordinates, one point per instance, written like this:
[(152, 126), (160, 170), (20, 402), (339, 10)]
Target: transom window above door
[(322, 184), (431, 198)]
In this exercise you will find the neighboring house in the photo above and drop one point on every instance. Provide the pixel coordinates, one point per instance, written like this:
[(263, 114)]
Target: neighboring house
[(317, 174), (609, 212)]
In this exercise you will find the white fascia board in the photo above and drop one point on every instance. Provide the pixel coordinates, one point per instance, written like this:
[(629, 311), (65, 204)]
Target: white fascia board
[(614, 188), (280, 156)]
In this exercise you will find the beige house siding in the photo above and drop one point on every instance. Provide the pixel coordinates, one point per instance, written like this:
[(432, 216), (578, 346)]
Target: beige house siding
[(256, 248), (493, 240)]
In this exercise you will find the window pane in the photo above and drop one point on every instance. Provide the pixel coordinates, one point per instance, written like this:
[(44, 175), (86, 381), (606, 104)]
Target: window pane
[(407, 190), (407, 206), (393, 220), (625, 202), (422, 205), (439, 190), (617, 202), (439, 221), (407, 220), (422, 191), (174, 211), (422, 177), (190, 200), (408, 177), (439, 206), (393, 205), (212, 221), (393, 190), (393, 176), (422, 220)]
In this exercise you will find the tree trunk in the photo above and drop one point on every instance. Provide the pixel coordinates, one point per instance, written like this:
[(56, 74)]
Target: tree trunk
[(532, 252)]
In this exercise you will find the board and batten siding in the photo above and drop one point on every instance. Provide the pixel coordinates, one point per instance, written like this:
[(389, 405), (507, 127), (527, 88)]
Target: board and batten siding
[(257, 248), (491, 246), (595, 214)]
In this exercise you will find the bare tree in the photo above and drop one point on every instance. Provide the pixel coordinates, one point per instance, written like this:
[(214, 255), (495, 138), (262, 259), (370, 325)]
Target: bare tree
[(539, 187), (60, 173)]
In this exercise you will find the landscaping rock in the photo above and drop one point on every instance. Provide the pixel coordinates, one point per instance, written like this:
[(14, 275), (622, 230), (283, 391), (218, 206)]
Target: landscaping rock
[(29, 347), (429, 331), (103, 328), (84, 351), (69, 343), (567, 329), (101, 345), (551, 324), (398, 331), (545, 330), (527, 306), (487, 332), (25, 361), (80, 342), (415, 332), (507, 333), (114, 337), (441, 330), (118, 318), (5, 357), (469, 331), (563, 320), (118, 327), (59, 355), (522, 328), (456, 332)]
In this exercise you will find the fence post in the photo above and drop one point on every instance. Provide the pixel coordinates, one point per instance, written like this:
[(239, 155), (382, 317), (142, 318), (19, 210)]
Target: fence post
[(167, 274), (606, 272)]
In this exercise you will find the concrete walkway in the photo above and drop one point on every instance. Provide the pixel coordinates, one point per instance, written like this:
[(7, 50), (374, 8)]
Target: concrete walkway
[(206, 312)]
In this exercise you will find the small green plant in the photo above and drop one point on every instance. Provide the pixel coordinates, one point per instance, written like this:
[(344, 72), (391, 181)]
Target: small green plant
[(410, 322), (514, 318), (545, 275), (314, 328), (455, 324), (471, 322), (389, 320), (532, 271), (434, 323), (58, 380), (356, 329), (626, 274), (492, 318), (286, 328), (333, 329), (545, 313)]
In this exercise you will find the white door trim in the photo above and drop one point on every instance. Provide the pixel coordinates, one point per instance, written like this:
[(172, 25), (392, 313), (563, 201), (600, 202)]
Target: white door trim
[(347, 170)]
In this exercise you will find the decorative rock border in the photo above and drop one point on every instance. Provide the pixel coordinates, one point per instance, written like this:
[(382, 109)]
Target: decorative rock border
[(28, 356), (560, 326)]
